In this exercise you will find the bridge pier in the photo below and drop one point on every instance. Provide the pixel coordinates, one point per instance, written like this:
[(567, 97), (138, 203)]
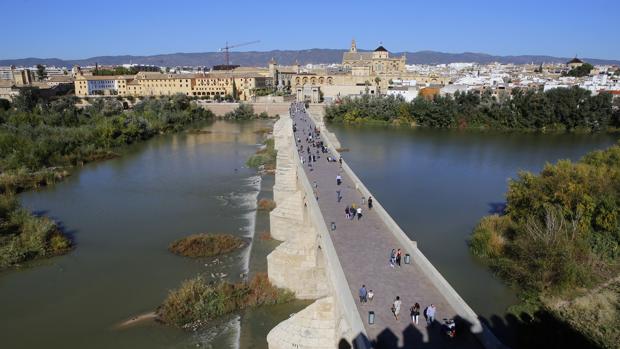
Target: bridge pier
[(299, 264)]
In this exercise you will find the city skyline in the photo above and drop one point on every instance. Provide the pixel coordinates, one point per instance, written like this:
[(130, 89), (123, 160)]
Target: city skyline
[(554, 28)]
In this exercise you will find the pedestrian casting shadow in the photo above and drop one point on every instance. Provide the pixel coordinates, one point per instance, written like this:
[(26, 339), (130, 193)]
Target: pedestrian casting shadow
[(542, 330)]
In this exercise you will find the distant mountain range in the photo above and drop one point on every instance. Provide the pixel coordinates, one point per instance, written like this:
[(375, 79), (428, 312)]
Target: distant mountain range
[(288, 57)]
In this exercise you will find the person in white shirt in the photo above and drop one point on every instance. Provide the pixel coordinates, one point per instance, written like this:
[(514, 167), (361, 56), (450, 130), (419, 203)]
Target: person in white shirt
[(396, 307)]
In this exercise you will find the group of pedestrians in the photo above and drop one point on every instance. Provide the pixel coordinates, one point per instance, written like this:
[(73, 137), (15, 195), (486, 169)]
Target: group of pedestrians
[(414, 311), (366, 295), (396, 258), (350, 212)]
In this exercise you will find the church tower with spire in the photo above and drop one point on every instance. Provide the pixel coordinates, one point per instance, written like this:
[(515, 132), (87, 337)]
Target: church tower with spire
[(353, 46)]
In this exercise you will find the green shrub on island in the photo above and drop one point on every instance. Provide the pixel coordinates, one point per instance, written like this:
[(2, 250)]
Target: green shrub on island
[(265, 157), (244, 112), (206, 245), (556, 109), (24, 236), (196, 302), (561, 229), (559, 237)]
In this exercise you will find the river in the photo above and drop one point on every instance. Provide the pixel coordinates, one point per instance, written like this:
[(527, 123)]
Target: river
[(437, 184), (124, 212)]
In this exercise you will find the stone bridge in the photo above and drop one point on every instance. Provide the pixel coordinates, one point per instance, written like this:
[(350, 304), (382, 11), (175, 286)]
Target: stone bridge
[(327, 257)]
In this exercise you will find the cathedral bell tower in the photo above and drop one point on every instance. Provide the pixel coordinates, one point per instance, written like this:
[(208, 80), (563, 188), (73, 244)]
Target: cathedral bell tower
[(353, 46)]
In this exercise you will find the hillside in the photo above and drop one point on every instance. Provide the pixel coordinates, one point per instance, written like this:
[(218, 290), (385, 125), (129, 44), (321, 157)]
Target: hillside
[(287, 57)]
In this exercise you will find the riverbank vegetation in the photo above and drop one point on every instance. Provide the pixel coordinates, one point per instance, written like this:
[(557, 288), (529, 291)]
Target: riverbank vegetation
[(244, 112), (41, 136), (196, 301), (41, 139), (560, 234), (206, 245), (24, 236), (558, 109), (264, 157)]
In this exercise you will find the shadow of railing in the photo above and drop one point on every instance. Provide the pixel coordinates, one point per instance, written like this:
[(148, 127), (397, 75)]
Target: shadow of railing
[(542, 330)]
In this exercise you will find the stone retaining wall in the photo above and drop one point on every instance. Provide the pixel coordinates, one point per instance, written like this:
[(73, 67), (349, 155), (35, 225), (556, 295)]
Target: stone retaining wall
[(273, 109)]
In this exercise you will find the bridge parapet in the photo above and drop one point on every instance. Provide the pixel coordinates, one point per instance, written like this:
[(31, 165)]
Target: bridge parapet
[(307, 262)]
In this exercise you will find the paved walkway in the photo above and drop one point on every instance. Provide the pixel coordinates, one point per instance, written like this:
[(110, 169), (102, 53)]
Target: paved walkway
[(364, 247)]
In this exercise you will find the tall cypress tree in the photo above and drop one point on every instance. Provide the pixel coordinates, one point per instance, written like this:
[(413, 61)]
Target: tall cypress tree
[(235, 95)]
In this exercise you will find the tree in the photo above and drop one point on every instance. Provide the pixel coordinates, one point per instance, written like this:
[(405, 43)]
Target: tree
[(27, 99), (580, 71), (235, 94), (41, 73), (377, 81), (5, 104)]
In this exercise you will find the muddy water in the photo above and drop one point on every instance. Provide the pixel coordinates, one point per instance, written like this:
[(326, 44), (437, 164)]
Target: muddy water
[(123, 213)]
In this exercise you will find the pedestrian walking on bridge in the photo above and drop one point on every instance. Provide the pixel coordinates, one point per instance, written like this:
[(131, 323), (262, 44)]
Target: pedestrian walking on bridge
[(396, 307), (415, 313), (363, 294)]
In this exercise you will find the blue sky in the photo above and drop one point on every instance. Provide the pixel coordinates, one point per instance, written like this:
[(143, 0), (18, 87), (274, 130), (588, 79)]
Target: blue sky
[(79, 29)]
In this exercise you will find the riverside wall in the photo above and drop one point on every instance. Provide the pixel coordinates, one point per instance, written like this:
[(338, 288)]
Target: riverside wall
[(272, 109), (306, 262)]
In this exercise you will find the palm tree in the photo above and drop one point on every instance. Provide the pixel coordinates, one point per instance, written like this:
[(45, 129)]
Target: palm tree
[(377, 81)]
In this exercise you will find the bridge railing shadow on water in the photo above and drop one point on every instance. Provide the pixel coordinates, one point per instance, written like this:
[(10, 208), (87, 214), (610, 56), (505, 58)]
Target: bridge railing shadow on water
[(524, 331)]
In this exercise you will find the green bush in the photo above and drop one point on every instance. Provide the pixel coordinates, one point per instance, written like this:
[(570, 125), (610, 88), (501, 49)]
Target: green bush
[(561, 230), (196, 302), (244, 112), (24, 237), (489, 237), (265, 157)]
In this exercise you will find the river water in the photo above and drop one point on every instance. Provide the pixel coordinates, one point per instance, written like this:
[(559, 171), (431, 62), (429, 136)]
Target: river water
[(124, 212), (437, 184)]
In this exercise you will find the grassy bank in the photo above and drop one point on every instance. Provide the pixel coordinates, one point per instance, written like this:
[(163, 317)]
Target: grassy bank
[(559, 237), (196, 302), (25, 237), (595, 314), (206, 245), (265, 157)]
